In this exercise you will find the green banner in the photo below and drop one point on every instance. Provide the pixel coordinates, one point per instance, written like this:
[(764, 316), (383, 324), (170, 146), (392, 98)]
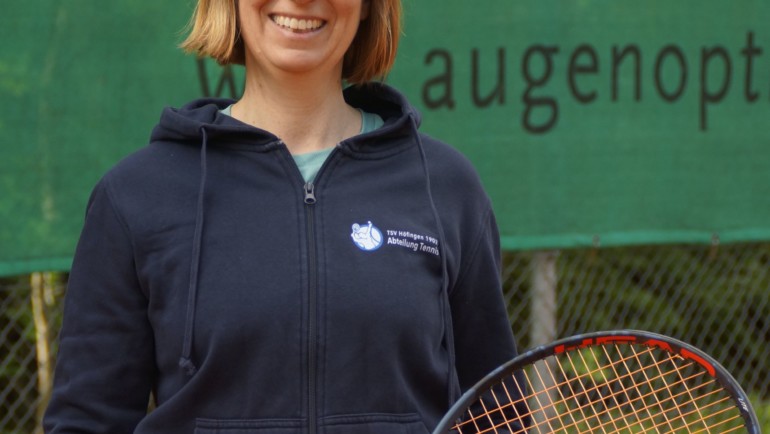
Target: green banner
[(603, 122), (591, 122)]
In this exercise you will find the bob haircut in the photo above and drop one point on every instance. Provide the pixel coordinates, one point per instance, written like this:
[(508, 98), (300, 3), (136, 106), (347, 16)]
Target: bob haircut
[(215, 32)]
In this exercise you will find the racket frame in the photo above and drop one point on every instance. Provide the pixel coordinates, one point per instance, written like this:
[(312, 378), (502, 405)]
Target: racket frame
[(587, 340)]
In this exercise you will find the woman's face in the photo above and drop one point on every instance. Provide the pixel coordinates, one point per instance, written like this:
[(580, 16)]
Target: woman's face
[(299, 36)]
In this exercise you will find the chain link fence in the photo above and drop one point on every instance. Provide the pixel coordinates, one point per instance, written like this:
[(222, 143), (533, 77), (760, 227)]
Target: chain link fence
[(30, 316), (716, 298)]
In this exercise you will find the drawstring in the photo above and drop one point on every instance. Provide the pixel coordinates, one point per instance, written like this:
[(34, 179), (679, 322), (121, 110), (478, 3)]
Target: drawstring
[(185, 361), (453, 389)]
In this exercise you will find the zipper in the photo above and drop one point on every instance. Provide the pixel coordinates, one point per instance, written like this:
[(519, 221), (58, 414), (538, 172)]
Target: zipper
[(310, 200), (312, 287)]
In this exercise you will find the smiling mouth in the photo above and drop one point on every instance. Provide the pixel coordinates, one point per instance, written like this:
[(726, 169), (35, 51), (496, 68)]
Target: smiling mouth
[(298, 25)]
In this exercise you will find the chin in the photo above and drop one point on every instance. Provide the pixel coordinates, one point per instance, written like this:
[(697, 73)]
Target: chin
[(299, 68), (300, 63)]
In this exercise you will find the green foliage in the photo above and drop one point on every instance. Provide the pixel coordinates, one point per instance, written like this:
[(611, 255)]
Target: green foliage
[(762, 408)]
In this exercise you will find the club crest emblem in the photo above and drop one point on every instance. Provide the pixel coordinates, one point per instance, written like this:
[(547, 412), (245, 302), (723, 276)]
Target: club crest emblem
[(366, 237)]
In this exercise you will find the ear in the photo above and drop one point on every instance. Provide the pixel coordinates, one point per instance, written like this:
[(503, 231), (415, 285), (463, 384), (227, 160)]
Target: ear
[(365, 6)]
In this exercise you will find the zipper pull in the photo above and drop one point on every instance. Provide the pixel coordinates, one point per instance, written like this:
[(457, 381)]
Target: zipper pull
[(309, 193)]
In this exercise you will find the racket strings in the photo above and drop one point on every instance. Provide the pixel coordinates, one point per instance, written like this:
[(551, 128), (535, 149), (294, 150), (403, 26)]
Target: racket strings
[(657, 404), (557, 387), (700, 421), (614, 392), (699, 401), (606, 383), (522, 396), (630, 401)]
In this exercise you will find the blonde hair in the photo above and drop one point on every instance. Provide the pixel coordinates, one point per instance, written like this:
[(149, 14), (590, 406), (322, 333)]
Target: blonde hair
[(215, 32)]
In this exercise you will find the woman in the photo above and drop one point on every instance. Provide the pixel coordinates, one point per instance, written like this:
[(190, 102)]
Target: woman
[(301, 260)]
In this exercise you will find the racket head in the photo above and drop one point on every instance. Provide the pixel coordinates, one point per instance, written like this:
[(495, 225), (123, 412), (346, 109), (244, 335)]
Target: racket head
[(658, 384)]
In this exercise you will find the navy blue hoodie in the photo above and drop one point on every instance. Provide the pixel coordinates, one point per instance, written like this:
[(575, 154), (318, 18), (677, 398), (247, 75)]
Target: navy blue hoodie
[(248, 301)]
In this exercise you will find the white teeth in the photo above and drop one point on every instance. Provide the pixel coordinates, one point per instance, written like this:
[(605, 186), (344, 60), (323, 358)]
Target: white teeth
[(297, 24)]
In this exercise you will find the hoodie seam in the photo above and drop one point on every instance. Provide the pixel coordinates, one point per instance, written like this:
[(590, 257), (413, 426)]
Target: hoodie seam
[(108, 189), (110, 195), (465, 265)]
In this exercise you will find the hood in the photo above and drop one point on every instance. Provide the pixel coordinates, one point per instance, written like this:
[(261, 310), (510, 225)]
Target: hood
[(185, 124)]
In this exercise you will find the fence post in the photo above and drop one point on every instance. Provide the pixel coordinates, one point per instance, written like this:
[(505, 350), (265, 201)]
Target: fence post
[(42, 298), (544, 317), (544, 283)]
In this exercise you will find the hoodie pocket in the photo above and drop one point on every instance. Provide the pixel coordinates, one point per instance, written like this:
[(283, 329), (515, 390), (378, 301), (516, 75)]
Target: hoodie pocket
[(247, 426), (408, 423)]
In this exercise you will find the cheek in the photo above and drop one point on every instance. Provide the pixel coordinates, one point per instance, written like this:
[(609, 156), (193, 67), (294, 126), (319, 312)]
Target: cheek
[(352, 9), (249, 17), (251, 27)]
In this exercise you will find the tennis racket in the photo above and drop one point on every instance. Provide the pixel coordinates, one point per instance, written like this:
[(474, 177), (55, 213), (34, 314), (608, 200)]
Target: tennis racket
[(605, 382)]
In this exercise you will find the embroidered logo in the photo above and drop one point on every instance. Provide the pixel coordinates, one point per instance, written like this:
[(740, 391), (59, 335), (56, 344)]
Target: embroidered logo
[(366, 237)]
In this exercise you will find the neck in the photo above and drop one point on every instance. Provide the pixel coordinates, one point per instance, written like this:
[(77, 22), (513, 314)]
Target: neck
[(307, 112)]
